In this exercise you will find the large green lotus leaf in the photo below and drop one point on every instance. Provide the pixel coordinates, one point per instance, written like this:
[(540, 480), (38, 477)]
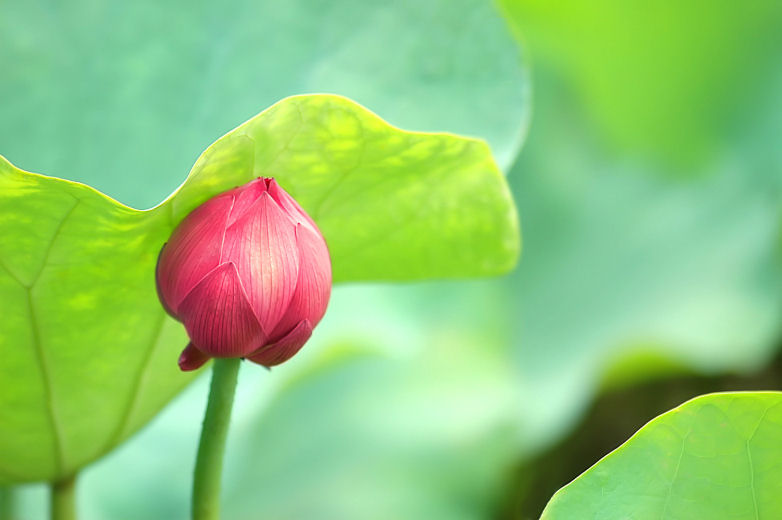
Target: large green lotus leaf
[(123, 95), (667, 79), (87, 353), (717, 457)]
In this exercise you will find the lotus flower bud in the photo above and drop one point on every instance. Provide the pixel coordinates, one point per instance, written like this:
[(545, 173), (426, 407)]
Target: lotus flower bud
[(248, 274)]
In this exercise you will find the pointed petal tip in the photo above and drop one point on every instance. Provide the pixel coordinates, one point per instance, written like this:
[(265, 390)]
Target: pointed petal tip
[(284, 348), (191, 358), (291, 207)]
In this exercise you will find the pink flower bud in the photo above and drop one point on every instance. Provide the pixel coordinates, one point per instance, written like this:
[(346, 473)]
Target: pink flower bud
[(249, 275)]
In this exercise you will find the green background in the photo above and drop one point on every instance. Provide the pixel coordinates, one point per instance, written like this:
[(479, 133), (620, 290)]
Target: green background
[(649, 189)]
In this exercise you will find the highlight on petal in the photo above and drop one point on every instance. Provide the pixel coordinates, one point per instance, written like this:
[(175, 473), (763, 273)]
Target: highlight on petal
[(285, 348), (262, 244), (218, 316), (290, 206), (192, 251), (191, 358), (313, 286)]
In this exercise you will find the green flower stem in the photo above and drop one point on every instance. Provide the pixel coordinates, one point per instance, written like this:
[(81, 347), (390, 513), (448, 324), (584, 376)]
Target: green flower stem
[(6, 503), (209, 463), (63, 499)]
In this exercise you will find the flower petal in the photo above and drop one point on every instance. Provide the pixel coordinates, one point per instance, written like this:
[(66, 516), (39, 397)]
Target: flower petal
[(191, 358), (313, 287), (290, 206), (245, 197), (263, 245), (218, 317), (285, 348), (193, 251)]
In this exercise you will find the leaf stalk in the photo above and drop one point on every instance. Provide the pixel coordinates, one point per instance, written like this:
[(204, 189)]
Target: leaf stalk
[(63, 499)]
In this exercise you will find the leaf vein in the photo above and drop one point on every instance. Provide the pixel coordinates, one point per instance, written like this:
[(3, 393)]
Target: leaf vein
[(752, 465), (675, 476), (43, 364), (48, 387), (50, 246), (138, 384)]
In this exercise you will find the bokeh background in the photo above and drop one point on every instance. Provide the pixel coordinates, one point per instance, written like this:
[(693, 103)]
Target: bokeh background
[(643, 145)]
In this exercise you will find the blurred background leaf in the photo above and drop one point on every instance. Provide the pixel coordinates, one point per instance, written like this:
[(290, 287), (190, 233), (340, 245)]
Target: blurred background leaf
[(637, 264), (122, 96), (667, 81)]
